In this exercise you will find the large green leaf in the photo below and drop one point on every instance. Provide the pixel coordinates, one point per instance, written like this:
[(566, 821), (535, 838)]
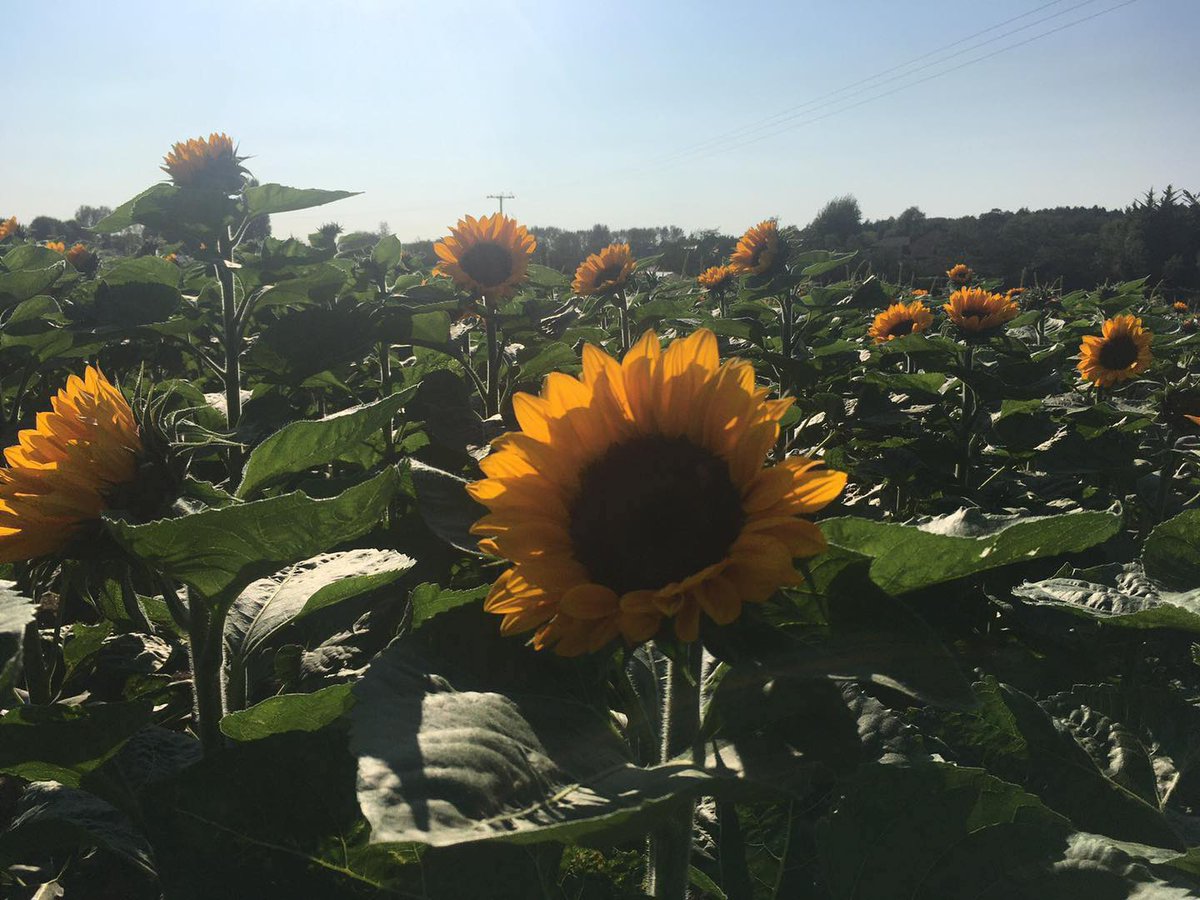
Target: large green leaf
[(441, 766), (429, 600), (16, 287), (301, 445), (908, 558), (138, 291), (218, 552), (942, 832), (272, 603), (445, 505), (264, 199), (64, 743), (289, 712), (1172, 552), (16, 611), (1133, 602)]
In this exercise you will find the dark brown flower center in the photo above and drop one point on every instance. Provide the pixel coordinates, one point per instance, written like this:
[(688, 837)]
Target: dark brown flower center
[(1118, 352), (488, 264), (608, 276), (904, 326), (653, 511)]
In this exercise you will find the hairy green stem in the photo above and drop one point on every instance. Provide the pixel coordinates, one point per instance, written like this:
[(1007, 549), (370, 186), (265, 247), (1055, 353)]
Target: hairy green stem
[(233, 351), (622, 304), (491, 402), (969, 410), (204, 644)]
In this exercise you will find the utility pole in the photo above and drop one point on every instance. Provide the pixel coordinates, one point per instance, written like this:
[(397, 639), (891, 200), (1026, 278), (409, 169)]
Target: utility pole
[(502, 197)]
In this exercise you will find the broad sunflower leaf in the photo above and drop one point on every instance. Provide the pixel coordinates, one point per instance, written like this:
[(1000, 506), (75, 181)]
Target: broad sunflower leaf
[(289, 712), (908, 558), (1132, 602), (265, 199), (138, 292), (429, 600), (218, 552), (16, 287), (1172, 552), (16, 611), (935, 831), (64, 743), (445, 505), (344, 436)]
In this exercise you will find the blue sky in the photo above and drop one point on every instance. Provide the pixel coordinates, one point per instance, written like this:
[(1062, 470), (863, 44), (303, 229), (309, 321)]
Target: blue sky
[(629, 112)]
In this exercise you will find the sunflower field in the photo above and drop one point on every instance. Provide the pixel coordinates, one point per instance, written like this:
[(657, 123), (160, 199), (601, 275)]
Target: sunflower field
[(331, 571)]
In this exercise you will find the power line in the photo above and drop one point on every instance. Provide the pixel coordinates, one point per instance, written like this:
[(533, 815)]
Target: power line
[(502, 197)]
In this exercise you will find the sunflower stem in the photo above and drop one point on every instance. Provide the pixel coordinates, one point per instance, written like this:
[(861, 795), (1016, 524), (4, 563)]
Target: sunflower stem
[(491, 403), (622, 304), (233, 351), (204, 644), (968, 419), (671, 847)]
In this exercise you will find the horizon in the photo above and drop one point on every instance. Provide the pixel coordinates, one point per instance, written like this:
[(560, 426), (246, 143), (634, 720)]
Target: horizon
[(1029, 109)]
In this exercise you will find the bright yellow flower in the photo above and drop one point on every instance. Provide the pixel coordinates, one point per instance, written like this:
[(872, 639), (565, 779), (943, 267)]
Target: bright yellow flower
[(8, 227), (960, 273), (716, 277), (56, 246), (758, 250), (976, 310), (1014, 292), (919, 292), (210, 162), (605, 271), (638, 492), (1179, 306), (900, 319), (61, 474), (488, 256), (80, 256), (1121, 352)]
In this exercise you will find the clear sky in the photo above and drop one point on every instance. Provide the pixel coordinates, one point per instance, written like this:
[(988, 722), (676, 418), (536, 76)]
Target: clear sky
[(628, 112)]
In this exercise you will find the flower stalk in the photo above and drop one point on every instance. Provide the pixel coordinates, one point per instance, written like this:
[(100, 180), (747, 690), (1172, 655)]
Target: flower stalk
[(233, 350), (205, 646)]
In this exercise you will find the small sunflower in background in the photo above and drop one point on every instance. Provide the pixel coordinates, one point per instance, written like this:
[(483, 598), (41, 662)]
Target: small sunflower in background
[(8, 227), (1013, 293), (977, 312), (638, 493), (716, 278), (960, 274), (900, 319), (56, 246), (62, 474), (83, 259), (604, 272), (919, 292), (1119, 353), (210, 163), (759, 251), (488, 256), (1179, 306)]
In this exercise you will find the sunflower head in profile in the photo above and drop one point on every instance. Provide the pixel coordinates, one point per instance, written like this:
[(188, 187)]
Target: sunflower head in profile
[(1179, 306), (900, 319), (760, 250), (960, 274), (63, 473), (83, 259), (1013, 293), (8, 227), (979, 312), (919, 292), (604, 272), (716, 278), (1121, 352), (488, 256), (637, 493), (56, 246), (210, 163)]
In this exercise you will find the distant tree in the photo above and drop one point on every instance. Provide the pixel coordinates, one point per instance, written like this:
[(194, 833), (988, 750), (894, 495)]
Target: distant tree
[(87, 216), (910, 221), (839, 220)]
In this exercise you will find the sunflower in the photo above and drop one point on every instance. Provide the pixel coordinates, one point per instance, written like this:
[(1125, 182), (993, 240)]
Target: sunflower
[(488, 256), (210, 162), (81, 257), (61, 474), (716, 278), (976, 311), (900, 319), (1014, 292), (638, 493), (1121, 352), (605, 271), (758, 251), (960, 273), (1179, 306), (8, 227), (919, 292), (56, 246)]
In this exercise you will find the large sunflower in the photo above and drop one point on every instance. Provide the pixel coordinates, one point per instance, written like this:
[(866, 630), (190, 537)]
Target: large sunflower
[(976, 311), (487, 256), (62, 473), (758, 251), (1121, 352), (605, 271), (8, 227), (716, 278), (638, 492), (210, 162), (900, 319)]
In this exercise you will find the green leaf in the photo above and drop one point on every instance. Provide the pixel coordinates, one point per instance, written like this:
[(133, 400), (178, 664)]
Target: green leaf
[(265, 199), (16, 611), (122, 217), (64, 743), (218, 552), (388, 252), (138, 292), (272, 603), (16, 287), (1172, 552), (445, 505), (1139, 605), (428, 600), (441, 767), (302, 445), (908, 558), (818, 262), (289, 712)]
